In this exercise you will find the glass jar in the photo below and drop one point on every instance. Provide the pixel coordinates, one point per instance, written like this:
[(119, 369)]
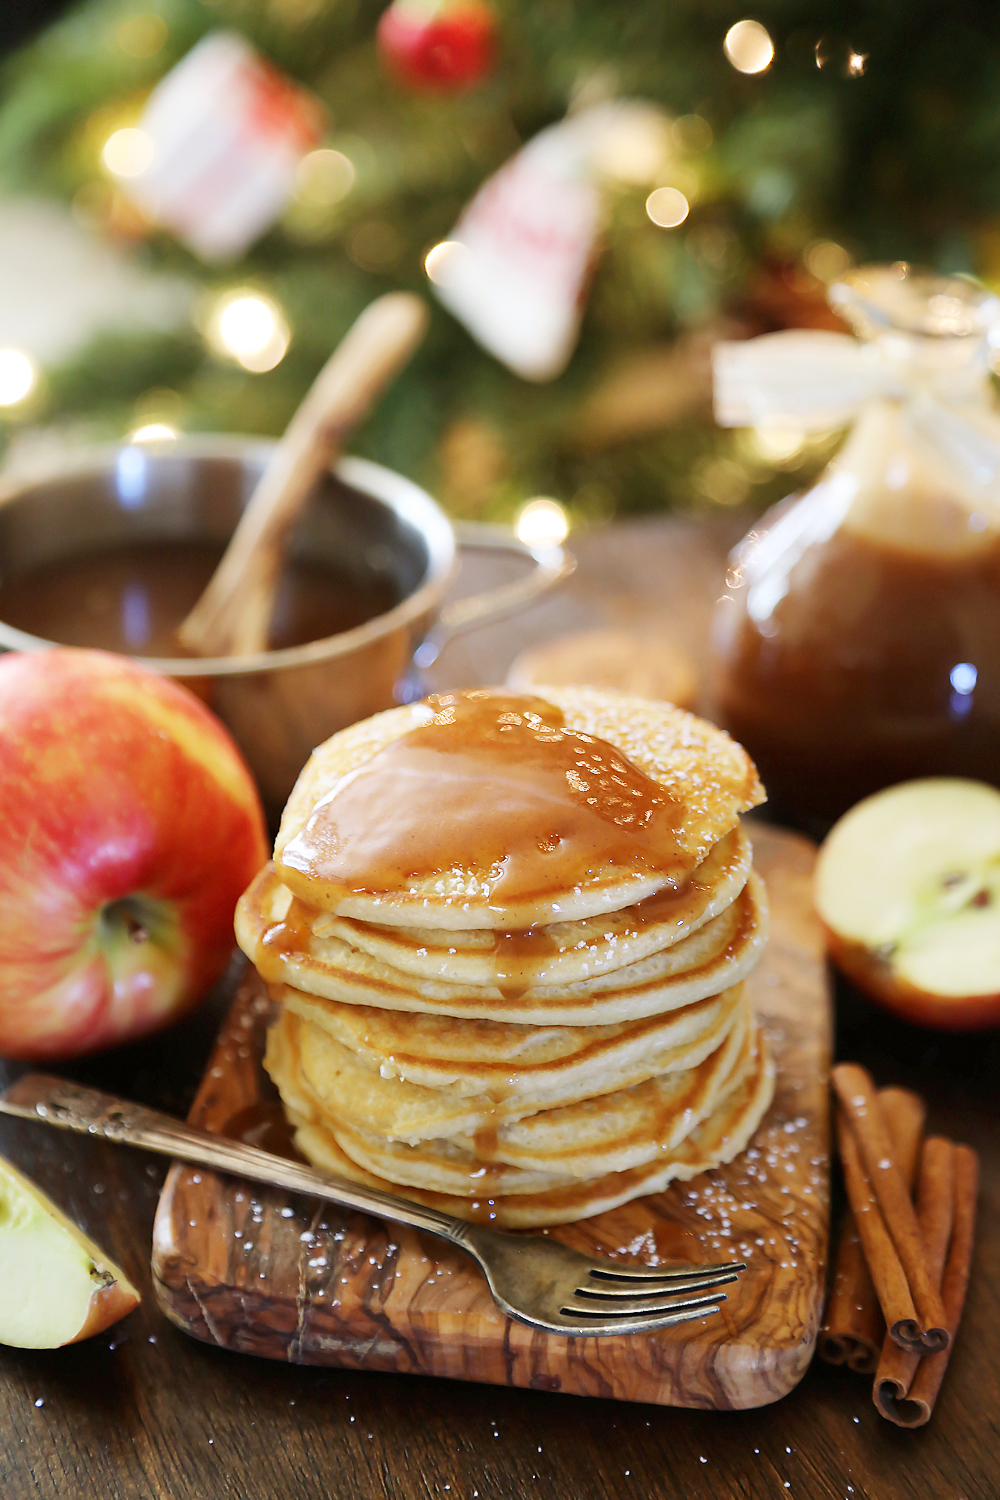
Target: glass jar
[(858, 641)]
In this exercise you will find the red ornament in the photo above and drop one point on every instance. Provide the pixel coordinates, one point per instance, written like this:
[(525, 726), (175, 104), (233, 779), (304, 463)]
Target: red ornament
[(438, 44)]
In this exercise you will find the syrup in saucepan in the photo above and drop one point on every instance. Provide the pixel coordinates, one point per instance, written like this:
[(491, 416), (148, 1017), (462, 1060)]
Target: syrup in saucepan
[(131, 598)]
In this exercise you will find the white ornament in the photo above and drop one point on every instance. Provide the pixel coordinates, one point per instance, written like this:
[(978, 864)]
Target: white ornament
[(226, 132), (515, 267)]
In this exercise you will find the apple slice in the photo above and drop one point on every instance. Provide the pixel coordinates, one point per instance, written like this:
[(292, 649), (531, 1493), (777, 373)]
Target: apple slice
[(55, 1285), (908, 890)]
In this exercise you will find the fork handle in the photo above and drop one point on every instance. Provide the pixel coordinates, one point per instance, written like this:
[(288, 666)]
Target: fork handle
[(55, 1101)]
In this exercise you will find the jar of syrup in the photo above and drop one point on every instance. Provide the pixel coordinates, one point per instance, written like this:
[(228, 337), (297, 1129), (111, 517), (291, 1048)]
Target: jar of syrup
[(858, 640)]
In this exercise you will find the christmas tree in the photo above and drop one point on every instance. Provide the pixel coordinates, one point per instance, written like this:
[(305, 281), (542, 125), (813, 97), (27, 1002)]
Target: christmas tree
[(816, 135)]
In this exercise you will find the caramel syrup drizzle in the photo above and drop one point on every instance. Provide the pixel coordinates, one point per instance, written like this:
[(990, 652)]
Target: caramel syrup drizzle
[(496, 784)]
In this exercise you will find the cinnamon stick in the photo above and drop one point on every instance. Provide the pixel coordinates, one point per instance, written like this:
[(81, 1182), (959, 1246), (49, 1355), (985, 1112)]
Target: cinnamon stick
[(853, 1326), (863, 1121), (853, 1330), (887, 1273), (935, 1213), (916, 1407)]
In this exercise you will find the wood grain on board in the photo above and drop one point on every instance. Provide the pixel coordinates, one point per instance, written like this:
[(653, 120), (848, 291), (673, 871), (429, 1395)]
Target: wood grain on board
[(263, 1272)]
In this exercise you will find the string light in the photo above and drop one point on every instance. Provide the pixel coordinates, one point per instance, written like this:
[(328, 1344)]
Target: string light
[(857, 62), (128, 152), (667, 207), (153, 432), (542, 522), (749, 47), (17, 376), (250, 328)]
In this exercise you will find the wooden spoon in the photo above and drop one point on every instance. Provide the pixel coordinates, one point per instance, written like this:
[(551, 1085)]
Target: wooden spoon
[(233, 615)]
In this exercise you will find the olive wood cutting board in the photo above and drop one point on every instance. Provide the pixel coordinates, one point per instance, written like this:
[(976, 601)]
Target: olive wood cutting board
[(260, 1271)]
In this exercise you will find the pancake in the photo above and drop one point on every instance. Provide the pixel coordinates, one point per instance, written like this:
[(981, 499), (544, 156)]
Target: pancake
[(563, 952), (500, 1060), (548, 1067), (715, 957), (614, 1133), (686, 774), (718, 1139)]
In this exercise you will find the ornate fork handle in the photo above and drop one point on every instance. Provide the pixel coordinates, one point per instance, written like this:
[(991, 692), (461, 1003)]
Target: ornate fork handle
[(38, 1096)]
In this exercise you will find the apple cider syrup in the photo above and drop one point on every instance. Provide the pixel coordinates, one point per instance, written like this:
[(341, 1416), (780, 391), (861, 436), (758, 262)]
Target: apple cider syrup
[(858, 641)]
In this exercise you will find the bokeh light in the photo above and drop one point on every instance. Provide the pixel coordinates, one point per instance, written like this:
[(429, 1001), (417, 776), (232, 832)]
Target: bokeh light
[(667, 207), (542, 522), (250, 328), (153, 432), (692, 133), (749, 47), (128, 152), (17, 376), (141, 35), (778, 444), (826, 260), (324, 177), (637, 148)]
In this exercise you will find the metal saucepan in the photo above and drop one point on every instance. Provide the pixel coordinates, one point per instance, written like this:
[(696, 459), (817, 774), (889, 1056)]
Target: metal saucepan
[(366, 519)]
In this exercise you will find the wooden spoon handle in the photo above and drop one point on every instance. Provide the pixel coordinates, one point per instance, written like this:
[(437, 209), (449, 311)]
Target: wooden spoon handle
[(233, 615)]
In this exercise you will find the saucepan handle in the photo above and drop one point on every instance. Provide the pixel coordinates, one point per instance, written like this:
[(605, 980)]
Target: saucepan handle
[(552, 564)]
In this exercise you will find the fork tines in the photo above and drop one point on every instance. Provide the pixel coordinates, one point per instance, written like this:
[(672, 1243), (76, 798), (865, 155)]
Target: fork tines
[(613, 1296), (610, 1272)]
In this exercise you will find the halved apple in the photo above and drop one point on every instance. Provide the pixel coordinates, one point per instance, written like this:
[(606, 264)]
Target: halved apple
[(908, 890), (56, 1287)]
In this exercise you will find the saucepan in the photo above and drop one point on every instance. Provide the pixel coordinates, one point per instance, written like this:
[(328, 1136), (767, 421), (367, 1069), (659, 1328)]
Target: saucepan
[(371, 524)]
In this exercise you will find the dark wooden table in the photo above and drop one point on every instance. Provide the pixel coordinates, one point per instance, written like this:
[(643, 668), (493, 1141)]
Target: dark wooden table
[(143, 1411)]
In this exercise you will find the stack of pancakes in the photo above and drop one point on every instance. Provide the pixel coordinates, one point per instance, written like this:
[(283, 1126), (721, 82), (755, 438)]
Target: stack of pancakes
[(518, 1035)]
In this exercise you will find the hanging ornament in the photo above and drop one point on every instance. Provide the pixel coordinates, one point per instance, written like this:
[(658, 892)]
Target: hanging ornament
[(438, 44), (214, 156), (515, 267)]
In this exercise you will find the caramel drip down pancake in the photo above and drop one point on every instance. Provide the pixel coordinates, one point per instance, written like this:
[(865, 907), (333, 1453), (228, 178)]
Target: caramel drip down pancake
[(507, 936), (718, 1139), (565, 952), (372, 1086), (713, 958), (613, 1133), (521, 1068)]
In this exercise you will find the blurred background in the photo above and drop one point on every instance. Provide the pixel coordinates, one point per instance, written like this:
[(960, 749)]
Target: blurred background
[(198, 196)]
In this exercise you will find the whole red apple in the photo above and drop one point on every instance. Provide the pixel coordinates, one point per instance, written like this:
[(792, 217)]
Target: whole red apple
[(129, 826), (438, 44)]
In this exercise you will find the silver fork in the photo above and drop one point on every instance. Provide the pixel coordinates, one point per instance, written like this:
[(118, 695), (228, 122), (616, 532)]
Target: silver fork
[(536, 1280)]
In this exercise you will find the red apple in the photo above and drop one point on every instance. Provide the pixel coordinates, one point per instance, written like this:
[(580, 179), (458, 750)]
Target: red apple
[(438, 44), (908, 891), (129, 826)]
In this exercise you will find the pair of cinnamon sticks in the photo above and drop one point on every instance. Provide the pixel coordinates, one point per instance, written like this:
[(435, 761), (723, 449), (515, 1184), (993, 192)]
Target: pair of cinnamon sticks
[(902, 1270)]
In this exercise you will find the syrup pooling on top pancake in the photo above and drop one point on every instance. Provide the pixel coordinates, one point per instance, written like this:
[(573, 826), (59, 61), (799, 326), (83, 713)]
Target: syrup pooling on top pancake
[(499, 780), (490, 810)]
